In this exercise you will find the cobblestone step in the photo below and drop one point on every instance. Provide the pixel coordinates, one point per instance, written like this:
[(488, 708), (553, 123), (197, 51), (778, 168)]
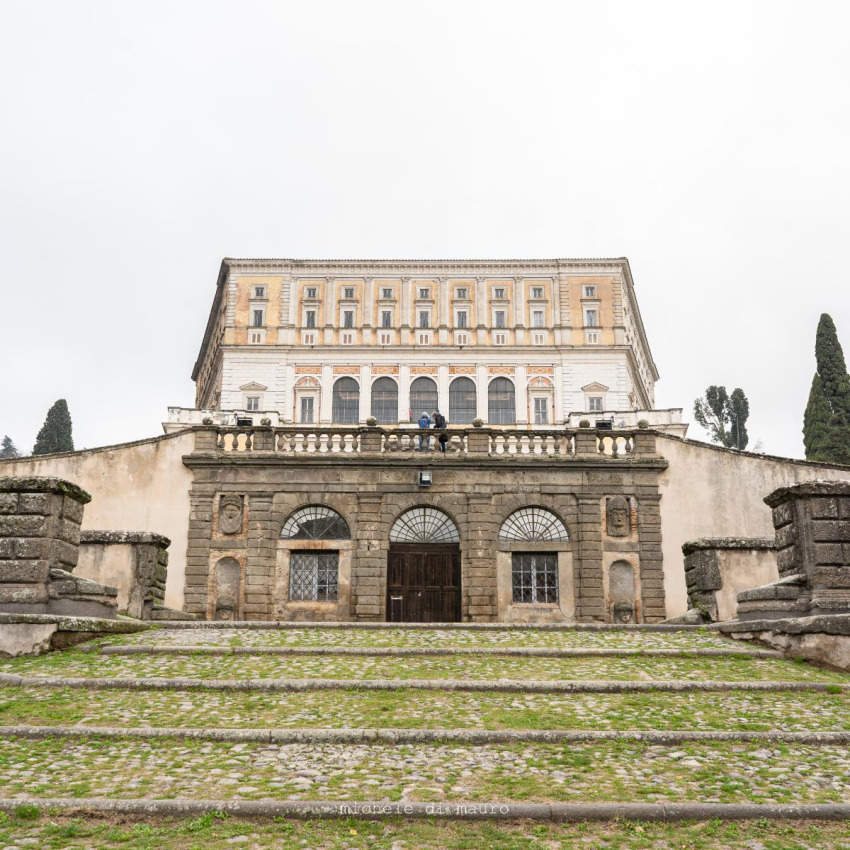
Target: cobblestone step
[(475, 811), (732, 709), (504, 685), (412, 652), (419, 637), (609, 771), (466, 667), (476, 737)]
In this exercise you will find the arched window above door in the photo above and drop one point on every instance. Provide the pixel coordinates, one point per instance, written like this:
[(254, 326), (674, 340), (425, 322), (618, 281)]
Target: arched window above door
[(424, 525)]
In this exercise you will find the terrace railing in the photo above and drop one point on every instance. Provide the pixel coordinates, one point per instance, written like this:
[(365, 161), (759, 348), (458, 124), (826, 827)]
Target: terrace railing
[(353, 440)]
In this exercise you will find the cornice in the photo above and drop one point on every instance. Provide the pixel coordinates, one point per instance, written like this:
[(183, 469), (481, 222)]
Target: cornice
[(415, 267)]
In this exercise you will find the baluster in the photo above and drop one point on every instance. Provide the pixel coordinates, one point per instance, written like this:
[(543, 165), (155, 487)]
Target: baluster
[(219, 442)]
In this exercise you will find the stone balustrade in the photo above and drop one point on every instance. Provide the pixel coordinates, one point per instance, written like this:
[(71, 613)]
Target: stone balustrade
[(494, 442)]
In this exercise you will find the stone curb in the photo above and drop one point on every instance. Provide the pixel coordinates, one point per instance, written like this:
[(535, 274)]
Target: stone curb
[(530, 652), (473, 737), (282, 625), (369, 810), (498, 685)]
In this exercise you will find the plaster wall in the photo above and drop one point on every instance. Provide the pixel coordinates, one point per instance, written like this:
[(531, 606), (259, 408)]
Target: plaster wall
[(740, 570), (141, 486), (113, 565), (709, 491)]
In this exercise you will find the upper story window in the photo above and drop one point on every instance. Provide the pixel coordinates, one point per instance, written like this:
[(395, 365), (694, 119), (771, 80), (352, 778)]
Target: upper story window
[(590, 292), (424, 319), (594, 404), (348, 319), (252, 402), (311, 292), (259, 292), (591, 318), (499, 318), (424, 292), (310, 318), (348, 292), (387, 292), (537, 318), (536, 291), (461, 292), (257, 318), (462, 319), (499, 292), (386, 319)]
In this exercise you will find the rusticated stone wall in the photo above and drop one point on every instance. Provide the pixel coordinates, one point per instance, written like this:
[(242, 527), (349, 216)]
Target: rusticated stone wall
[(610, 507)]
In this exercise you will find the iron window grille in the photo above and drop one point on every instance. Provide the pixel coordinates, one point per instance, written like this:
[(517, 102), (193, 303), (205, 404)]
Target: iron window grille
[(534, 577), (386, 319), (311, 319), (314, 576), (258, 318), (385, 401), (463, 401), (501, 402), (346, 401), (315, 522), (348, 319), (461, 319)]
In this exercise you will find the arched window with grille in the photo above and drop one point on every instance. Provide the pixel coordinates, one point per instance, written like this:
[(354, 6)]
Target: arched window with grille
[(315, 522), (501, 402), (423, 396), (534, 573), (346, 402), (463, 401), (385, 401)]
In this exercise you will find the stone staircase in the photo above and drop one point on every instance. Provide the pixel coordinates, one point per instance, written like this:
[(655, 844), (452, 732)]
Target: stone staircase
[(371, 735)]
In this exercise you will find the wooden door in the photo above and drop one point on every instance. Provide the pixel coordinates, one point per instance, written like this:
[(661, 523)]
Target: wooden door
[(423, 583)]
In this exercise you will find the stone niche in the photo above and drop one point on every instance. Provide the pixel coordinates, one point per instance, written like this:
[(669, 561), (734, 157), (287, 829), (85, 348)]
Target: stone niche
[(39, 548), (812, 538)]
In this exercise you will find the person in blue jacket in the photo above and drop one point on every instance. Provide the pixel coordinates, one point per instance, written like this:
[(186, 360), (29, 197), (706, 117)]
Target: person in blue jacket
[(424, 438)]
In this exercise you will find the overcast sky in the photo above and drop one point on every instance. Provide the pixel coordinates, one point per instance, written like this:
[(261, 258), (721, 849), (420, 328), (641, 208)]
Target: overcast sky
[(143, 141)]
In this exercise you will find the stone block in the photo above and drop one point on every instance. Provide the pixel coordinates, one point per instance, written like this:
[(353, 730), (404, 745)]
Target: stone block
[(22, 526), (786, 535), (8, 503), (826, 530), (37, 503), (789, 560), (69, 531), (783, 514), (7, 548), (831, 553), (72, 510), (62, 553), (23, 594), (24, 571), (837, 577), (824, 508)]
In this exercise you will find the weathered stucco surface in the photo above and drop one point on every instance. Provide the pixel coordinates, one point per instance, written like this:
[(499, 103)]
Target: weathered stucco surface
[(142, 486), (708, 491), (742, 569), (112, 565)]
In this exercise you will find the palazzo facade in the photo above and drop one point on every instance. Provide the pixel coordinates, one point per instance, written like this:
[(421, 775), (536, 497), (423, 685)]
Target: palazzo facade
[(311, 499), (540, 343)]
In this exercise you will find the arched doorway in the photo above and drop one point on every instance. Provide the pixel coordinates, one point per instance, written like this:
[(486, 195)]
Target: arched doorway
[(423, 568)]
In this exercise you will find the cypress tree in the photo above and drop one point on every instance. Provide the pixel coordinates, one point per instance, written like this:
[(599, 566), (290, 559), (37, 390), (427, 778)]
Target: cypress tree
[(8, 448), (739, 412), (55, 434), (826, 421), (832, 368), (816, 422)]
